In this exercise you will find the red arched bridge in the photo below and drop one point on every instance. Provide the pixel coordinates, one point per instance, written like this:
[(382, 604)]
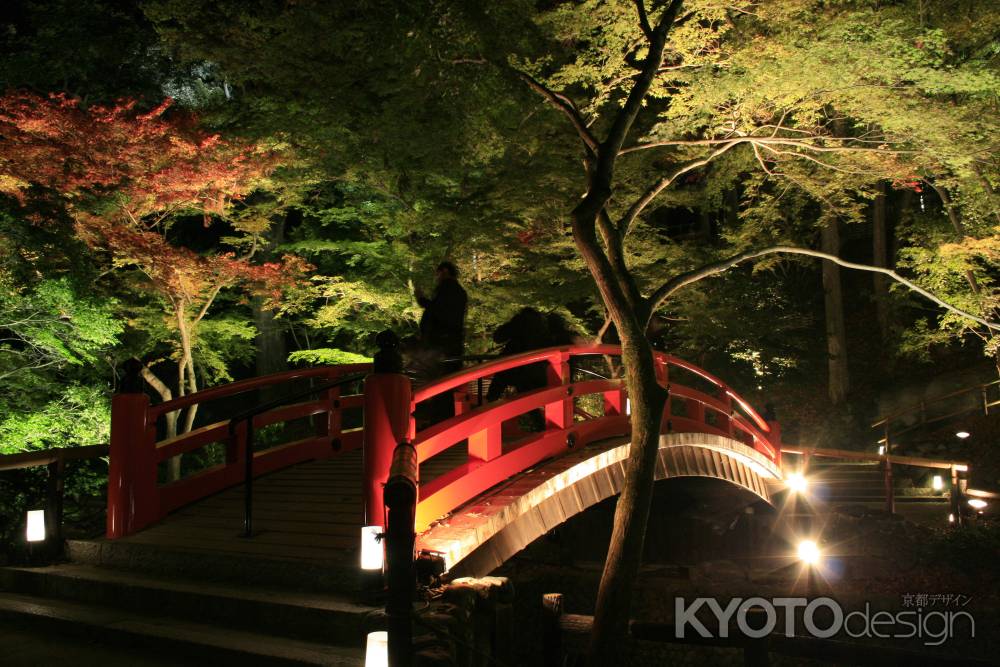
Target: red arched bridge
[(493, 476)]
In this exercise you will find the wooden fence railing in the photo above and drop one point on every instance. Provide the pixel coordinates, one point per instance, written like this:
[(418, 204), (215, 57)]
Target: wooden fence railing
[(937, 409)]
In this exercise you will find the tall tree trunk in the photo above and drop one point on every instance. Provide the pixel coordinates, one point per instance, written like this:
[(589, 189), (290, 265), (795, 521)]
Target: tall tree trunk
[(880, 257), (271, 346), (621, 567), (836, 331), (270, 343)]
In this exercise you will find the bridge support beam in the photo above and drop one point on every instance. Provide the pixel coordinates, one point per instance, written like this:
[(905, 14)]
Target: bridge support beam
[(387, 422)]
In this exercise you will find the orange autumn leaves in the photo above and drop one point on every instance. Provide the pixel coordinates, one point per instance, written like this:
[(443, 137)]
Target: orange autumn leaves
[(122, 175)]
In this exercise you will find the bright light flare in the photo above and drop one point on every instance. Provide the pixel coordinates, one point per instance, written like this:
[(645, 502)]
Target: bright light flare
[(371, 548), (937, 483), (962, 435), (808, 552), (977, 503), (797, 483), (36, 526), (881, 450)]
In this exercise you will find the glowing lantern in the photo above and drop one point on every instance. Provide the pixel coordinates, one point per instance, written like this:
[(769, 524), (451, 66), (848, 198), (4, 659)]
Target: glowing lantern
[(36, 526), (377, 649), (371, 548)]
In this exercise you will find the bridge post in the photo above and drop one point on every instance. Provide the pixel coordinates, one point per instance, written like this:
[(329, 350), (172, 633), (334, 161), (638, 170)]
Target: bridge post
[(387, 398), (132, 501), (559, 415), (400, 498), (890, 494), (959, 484)]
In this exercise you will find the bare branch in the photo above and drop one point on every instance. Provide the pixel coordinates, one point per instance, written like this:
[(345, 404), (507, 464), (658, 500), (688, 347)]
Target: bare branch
[(640, 204), (644, 19), (633, 103), (156, 383), (763, 141), (715, 268), (565, 105), (613, 244)]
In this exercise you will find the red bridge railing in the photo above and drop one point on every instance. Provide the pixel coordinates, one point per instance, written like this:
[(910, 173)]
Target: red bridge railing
[(492, 458), (577, 406), (136, 498)]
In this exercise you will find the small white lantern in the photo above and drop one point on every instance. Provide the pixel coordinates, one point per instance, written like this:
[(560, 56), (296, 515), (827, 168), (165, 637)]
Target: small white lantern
[(377, 649), (371, 548), (881, 450), (36, 526), (937, 483)]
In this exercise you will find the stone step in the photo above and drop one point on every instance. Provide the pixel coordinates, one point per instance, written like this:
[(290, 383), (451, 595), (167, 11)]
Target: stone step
[(321, 617), (198, 643), (336, 575)]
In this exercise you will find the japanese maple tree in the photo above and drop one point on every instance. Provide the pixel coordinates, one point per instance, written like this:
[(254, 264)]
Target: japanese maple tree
[(125, 177)]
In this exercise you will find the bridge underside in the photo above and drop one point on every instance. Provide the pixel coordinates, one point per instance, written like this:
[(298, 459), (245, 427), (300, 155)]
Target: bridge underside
[(485, 533)]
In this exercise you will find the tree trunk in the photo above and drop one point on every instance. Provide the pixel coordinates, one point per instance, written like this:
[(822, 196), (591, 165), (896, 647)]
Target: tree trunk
[(880, 257), (836, 331), (270, 343), (614, 598)]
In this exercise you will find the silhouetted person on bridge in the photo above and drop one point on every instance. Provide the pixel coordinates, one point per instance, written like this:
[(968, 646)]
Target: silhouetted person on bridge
[(528, 330), (442, 326)]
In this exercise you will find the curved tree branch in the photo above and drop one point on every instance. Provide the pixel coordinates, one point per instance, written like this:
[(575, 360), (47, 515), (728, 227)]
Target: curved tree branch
[(715, 268), (644, 19), (642, 202), (566, 106)]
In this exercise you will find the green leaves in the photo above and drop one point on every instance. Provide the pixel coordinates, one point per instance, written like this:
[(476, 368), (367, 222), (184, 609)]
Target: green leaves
[(78, 416), (52, 324)]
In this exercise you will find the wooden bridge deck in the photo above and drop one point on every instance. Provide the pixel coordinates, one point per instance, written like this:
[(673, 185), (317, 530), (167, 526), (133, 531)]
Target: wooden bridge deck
[(310, 511)]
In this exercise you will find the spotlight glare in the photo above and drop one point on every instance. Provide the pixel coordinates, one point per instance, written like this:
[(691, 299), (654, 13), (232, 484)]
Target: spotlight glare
[(937, 483), (808, 552), (797, 483), (881, 450), (977, 503), (962, 435)]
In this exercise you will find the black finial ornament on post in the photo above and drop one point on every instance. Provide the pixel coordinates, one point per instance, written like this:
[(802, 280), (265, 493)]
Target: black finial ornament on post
[(131, 382), (388, 359)]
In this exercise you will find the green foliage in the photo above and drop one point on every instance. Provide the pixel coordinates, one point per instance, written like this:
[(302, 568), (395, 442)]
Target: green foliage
[(79, 416), (50, 324), (327, 356), (222, 342)]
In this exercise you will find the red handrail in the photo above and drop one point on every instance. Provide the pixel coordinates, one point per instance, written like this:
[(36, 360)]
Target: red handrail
[(136, 499), (491, 460), (250, 384)]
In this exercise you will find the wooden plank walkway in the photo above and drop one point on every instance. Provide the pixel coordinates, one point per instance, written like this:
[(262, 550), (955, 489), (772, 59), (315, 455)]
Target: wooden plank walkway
[(311, 511)]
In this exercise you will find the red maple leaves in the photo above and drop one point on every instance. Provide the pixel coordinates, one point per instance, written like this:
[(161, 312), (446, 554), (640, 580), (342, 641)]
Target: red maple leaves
[(122, 174)]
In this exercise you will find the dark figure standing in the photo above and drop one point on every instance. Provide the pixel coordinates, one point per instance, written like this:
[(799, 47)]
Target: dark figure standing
[(524, 332), (442, 326)]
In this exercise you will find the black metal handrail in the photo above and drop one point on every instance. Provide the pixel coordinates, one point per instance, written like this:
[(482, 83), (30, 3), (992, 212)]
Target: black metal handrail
[(248, 415)]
